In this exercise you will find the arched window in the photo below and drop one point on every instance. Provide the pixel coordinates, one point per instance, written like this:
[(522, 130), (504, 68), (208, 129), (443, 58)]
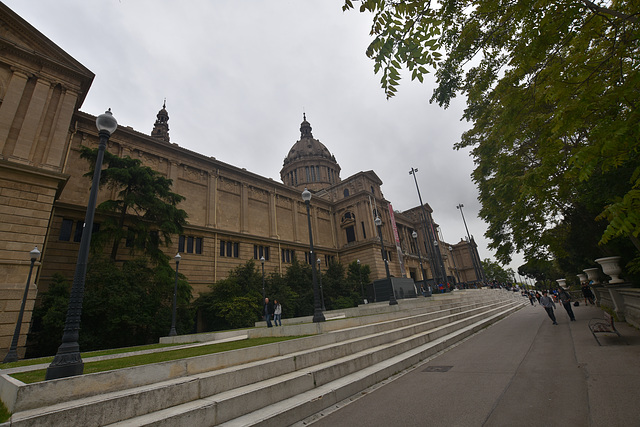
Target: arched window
[(346, 192)]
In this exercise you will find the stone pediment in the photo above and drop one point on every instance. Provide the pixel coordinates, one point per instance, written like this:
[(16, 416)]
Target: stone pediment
[(26, 48)]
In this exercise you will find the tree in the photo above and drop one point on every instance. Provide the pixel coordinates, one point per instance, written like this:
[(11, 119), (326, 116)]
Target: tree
[(48, 319), (234, 302), (145, 213), (543, 271), (131, 305), (493, 271), (552, 92)]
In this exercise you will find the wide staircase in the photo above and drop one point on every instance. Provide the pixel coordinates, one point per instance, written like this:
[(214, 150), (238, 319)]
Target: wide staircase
[(276, 384)]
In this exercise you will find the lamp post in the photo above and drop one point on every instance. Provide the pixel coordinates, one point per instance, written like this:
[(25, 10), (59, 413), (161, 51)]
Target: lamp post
[(472, 253), (320, 282), (454, 263), (426, 229), (317, 308), (67, 361), (364, 299), (12, 355), (392, 297), (263, 293), (415, 237), (172, 332)]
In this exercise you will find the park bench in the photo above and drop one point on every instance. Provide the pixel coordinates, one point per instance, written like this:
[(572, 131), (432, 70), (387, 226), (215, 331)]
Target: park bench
[(605, 325)]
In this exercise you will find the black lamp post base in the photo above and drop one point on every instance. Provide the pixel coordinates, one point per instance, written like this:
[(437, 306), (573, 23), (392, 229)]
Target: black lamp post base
[(64, 371), (66, 363), (318, 316), (12, 356)]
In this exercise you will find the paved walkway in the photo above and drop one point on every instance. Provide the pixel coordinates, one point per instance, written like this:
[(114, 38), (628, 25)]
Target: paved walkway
[(522, 371)]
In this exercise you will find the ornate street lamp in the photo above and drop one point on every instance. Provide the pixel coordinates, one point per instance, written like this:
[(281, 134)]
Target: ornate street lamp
[(263, 293), (392, 297), (432, 253), (424, 277), (320, 282), (476, 267), (12, 355), (317, 308), (172, 332), (68, 362)]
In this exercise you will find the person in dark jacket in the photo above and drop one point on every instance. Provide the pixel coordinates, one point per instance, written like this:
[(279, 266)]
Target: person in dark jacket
[(588, 295), (268, 312), (565, 298), (547, 303)]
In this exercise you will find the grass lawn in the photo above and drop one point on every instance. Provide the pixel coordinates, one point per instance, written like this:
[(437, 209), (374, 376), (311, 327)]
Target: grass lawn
[(49, 359), (143, 359)]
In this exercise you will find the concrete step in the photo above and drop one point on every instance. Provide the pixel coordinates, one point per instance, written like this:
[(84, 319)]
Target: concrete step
[(266, 377), (226, 406), (282, 402), (299, 407), (21, 397)]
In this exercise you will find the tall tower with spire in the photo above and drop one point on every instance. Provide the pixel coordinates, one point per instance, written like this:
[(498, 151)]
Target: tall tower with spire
[(161, 126), (309, 164)]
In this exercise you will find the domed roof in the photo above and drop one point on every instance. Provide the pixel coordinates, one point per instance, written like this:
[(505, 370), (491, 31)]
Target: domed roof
[(307, 146)]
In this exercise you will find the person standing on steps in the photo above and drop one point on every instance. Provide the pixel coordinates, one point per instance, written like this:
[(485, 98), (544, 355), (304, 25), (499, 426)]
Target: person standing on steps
[(565, 298), (547, 303), (268, 312), (277, 313)]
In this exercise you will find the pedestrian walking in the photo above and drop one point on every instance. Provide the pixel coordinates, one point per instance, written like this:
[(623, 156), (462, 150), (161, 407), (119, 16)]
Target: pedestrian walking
[(531, 299), (547, 303), (277, 313), (588, 295), (565, 298), (268, 311)]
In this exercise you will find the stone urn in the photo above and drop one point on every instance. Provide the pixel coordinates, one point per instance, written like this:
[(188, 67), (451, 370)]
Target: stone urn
[(593, 275), (562, 283), (611, 267), (582, 277)]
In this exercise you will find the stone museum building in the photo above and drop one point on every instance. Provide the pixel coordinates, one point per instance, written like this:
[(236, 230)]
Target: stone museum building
[(233, 214)]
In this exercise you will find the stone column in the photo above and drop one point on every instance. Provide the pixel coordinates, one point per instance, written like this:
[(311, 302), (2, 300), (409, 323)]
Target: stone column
[(10, 103)]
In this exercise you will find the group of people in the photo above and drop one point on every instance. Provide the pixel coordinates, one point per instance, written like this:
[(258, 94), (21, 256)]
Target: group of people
[(547, 303), (272, 310), (561, 295)]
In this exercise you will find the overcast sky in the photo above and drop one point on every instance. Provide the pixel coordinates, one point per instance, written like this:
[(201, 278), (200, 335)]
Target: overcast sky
[(238, 75)]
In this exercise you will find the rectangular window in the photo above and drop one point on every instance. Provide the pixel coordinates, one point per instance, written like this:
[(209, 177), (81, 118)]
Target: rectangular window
[(190, 245), (313, 173), (351, 234), (65, 230), (306, 169), (295, 175), (80, 226), (229, 249), (78, 234), (287, 255), (261, 251)]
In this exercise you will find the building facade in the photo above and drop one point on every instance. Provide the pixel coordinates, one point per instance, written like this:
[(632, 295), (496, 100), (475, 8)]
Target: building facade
[(234, 215)]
